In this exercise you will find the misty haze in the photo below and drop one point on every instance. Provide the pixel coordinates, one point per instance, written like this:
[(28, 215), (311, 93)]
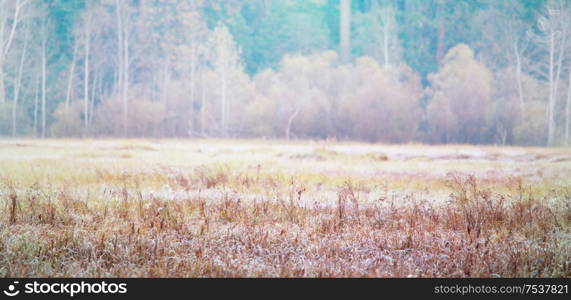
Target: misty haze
[(293, 138)]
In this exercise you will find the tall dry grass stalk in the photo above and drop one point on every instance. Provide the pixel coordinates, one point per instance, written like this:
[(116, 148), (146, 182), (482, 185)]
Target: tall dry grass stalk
[(217, 224)]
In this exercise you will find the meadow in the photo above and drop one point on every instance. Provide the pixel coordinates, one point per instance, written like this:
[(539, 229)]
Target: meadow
[(257, 208)]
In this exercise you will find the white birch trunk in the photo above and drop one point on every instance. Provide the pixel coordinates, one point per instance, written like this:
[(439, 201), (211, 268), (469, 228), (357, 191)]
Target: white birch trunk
[(86, 74), (70, 78), (36, 100), (202, 104), (568, 111), (125, 80), (17, 87), (519, 80), (44, 79), (6, 42), (551, 103), (345, 29)]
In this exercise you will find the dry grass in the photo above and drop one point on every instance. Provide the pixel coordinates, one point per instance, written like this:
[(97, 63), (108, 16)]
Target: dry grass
[(262, 209)]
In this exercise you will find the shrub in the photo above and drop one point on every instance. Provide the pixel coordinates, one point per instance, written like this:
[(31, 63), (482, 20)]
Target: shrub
[(68, 121), (144, 117), (459, 108)]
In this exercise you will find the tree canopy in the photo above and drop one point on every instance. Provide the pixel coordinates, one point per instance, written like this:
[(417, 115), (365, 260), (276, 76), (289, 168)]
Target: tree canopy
[(442, 71)]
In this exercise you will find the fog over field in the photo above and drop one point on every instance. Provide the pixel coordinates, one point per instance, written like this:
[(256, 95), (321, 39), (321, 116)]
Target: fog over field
[(231, 208), (266, 138)]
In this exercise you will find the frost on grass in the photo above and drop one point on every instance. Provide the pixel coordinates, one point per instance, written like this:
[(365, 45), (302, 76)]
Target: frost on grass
[(177, 213)]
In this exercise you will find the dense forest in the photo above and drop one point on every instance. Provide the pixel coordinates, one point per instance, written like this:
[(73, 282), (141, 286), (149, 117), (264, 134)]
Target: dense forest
[(434, 71)]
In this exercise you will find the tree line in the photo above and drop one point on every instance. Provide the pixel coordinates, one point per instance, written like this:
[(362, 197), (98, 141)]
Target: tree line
[(436, 71)]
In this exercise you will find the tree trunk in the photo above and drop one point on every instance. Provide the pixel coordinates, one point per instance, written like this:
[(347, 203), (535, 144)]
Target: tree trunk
[(121, 54), (86, 76), (559, 63), (17, 86), (94, 83), (519, 81), (125, 81), (441, 42), (223, 100), (290, 123), (5, 45), (99, 94), (119, 84), (202, 104), (70, 78), (556, 79), (568, 111), (387, 27), (2, 88), (551, 104), (345, 30), (44, 79), (36, 98), (192, 85), (386, 48), (165, 97)]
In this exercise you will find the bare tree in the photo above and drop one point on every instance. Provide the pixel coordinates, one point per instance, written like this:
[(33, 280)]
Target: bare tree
[(516, 44), (122, 11), (18, 83), (553, 37), (302, 85), (388, 32), (71, 75), (44, 62), (86, 47), (568, 108), (192, 86), (345, 29), (10, 17), (517, 51), (96, 87), (202, 103), (36, 99), (441, 43), (290, 122), (226, 61)]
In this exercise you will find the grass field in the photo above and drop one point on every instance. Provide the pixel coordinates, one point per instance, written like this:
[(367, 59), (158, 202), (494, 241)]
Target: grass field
[(227, 208)]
